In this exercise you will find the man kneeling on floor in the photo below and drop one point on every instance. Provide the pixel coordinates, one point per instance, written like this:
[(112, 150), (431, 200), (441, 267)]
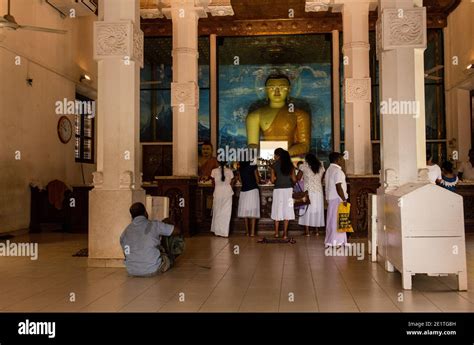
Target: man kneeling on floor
[(145, 253)]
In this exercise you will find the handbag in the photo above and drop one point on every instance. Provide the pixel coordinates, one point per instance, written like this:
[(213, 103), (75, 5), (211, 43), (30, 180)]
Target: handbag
[(300, 198), (343, 218)]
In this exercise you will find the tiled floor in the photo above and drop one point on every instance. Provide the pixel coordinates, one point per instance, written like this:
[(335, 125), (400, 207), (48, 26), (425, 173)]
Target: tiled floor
[(210, 277)]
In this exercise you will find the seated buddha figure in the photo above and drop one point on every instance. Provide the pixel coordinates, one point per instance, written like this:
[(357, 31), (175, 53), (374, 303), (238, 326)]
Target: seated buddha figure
[(280, 121), (206, 162)]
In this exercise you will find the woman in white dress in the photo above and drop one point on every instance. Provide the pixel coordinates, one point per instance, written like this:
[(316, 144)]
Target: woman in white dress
[(312, 171), (222, 180), (283, 177)]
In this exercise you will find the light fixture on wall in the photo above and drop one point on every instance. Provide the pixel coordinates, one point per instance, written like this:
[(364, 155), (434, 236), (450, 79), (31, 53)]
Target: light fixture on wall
[(470, 66), (85, 78)]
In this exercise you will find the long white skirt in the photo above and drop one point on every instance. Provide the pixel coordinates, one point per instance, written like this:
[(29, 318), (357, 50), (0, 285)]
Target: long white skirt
[(282, 204), (314, 215), (334, 238), (249, 204), (221, 213)]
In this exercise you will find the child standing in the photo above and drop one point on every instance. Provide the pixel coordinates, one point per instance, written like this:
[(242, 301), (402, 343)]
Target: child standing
[(222, 180), (336, 192)]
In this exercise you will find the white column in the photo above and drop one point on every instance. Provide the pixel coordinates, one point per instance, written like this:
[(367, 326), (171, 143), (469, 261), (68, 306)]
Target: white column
[(401, 41), (336, 99), (118, 48), (213, 86), (357, 87), (184, 89)]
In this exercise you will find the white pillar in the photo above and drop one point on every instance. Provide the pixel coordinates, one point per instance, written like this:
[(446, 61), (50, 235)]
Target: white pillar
[(118, 48), (357, 87), (184, 89), (401, 41), (336, 99), (213, 90)]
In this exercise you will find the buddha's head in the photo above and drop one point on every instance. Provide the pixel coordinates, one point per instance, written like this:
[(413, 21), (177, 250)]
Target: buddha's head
[(206, 150), (278, 88)]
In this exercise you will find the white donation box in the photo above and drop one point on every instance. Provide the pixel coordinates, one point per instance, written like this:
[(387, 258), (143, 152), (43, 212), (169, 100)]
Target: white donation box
[(424, 232)]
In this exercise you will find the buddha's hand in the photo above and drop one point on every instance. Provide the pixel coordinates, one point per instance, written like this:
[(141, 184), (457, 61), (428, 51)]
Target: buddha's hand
[(298, 149)]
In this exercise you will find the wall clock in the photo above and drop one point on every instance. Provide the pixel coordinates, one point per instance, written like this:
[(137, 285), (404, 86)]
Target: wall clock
[(64, 129)]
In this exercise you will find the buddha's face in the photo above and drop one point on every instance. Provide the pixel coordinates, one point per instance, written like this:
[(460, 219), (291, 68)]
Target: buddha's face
[(206, 151), (277, 90)]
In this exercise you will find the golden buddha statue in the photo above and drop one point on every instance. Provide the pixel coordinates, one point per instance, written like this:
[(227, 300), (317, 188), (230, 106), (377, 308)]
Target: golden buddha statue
[(280, 121)]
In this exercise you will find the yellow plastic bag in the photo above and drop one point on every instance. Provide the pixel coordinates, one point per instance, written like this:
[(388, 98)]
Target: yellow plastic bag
[(343, 218)]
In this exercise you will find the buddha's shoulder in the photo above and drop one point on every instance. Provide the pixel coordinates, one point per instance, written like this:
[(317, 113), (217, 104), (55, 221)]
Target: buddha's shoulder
[(301, 112), (254, 114)]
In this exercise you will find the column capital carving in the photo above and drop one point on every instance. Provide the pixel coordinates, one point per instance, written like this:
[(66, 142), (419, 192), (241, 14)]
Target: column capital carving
[(217, 8), (126, 180), (357, 90), (316, 5), (151, 13), (391, 180), (186, 93), (423, 175), (221, 10), (98, 179), (403, 28), (118, 40), (181, 10), (337, 5)]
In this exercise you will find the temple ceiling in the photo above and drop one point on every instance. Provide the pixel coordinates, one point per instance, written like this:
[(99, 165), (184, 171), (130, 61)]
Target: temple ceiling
[(269, 17)]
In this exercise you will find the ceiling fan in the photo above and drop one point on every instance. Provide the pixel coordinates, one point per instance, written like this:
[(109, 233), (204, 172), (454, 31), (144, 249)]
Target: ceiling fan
[(428, 73), (9, 22)]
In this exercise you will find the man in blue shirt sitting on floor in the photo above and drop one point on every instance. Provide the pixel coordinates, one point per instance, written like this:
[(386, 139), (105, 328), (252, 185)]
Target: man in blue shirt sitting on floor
[(141, 243)]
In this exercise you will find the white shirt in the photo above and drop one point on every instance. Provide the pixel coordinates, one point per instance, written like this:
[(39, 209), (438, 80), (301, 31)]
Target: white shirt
[(434, 172), (222, 188), (467, 171), (312, 181), (335, 175)]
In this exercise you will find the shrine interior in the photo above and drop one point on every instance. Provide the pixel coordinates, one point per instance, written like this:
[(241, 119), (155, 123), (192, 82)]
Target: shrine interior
[(216, 116)]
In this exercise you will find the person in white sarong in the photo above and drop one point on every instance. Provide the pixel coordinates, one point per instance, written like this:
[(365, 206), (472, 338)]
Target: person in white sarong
[(222, 180), (336, 192)]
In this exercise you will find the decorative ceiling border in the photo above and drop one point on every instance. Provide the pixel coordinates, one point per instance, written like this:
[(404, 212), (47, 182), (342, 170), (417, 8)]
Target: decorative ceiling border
[(319, 22)]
